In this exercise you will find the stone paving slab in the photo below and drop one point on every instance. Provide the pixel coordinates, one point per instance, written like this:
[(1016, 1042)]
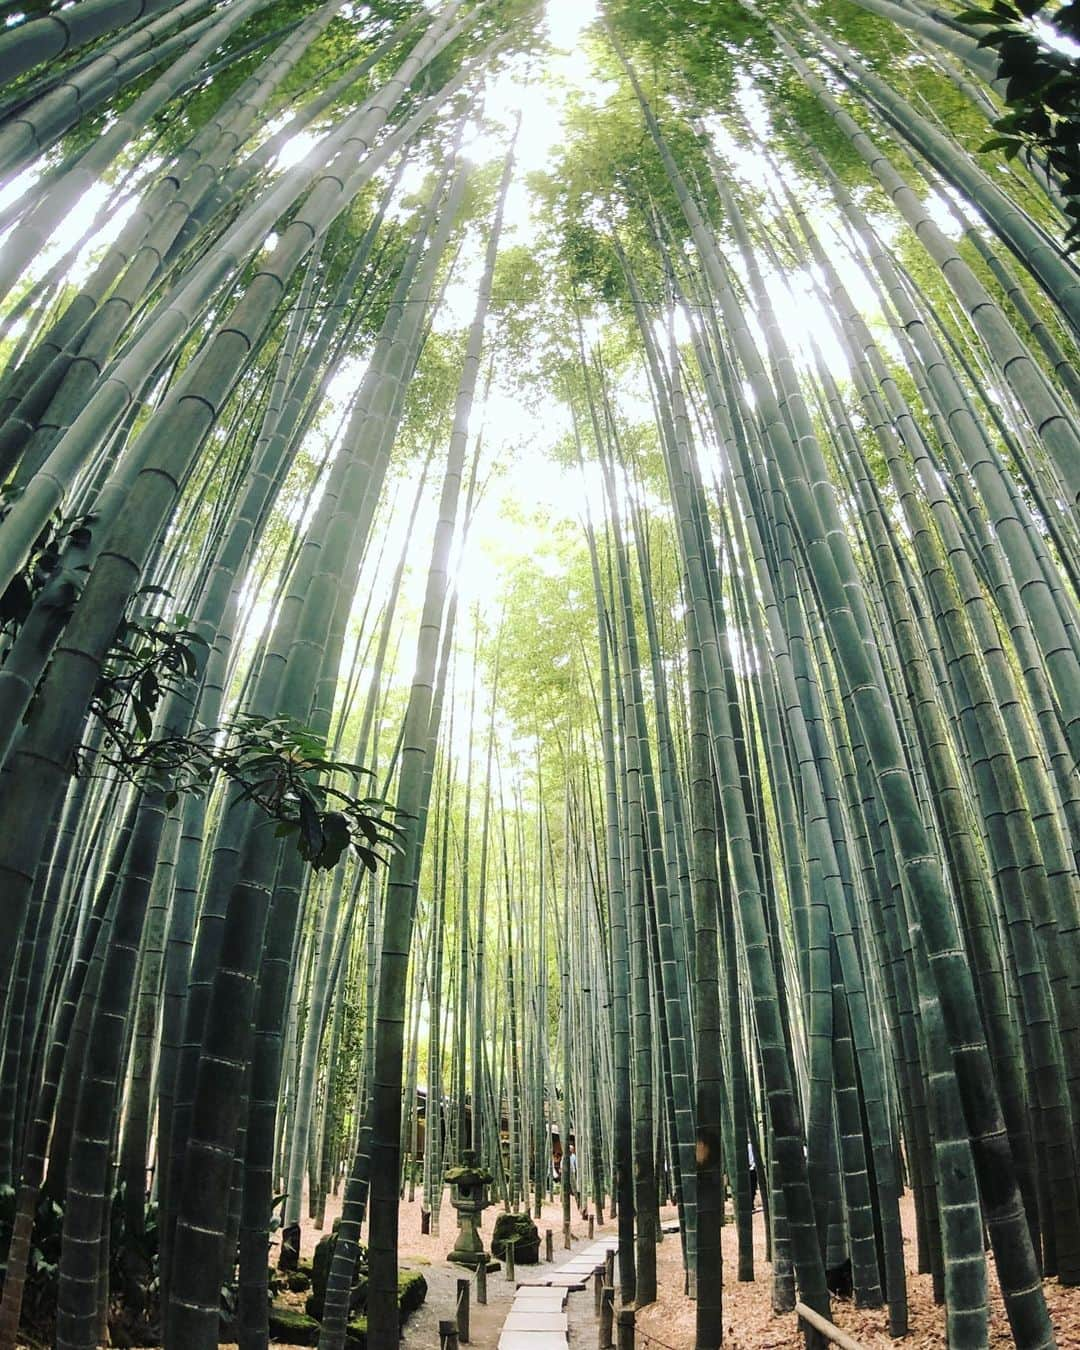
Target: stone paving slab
[(530, 1320), (532, 1340), (536, 1320)]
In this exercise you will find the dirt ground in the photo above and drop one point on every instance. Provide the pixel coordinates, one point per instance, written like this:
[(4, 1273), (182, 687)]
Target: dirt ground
[(668, 1324), (749, 1322), (427, 1253)]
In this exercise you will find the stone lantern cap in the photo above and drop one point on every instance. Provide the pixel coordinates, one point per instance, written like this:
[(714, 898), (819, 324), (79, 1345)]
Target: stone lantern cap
[(467, 1174)]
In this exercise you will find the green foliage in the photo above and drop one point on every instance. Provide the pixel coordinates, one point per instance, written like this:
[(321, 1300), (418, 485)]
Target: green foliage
[(1042, 90), (133, 1273), (277, 763), (549, 621), (610, 184), (800, 121), (879, 42), (521, 310), (283, 768), (133, 1269), (245, 48), (699, 47), (429, 405), (26, 587), (42, 1275), (345, 40), (150, 656)]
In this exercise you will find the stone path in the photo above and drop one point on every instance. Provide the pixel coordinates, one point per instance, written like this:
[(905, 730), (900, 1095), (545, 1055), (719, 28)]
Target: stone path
[(537, 1319)]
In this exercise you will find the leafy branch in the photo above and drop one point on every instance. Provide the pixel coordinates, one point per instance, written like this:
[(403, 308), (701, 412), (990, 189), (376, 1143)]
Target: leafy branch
[(26, 587), (1042, 89), (276, 762)]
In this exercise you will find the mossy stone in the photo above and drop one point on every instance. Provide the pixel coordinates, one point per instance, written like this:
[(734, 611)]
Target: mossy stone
[(357, 1299), (293, 1326), (521, 1227), (320, 1268), (411, 1292), (320, 1275)]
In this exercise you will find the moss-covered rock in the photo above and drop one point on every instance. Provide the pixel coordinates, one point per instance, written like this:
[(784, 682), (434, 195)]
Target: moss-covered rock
[(292, 1326), (320, 1267), (356, 1334), (320, 1274), (509, 1227), (298, 1281), (315, 1303), (411, 1292)]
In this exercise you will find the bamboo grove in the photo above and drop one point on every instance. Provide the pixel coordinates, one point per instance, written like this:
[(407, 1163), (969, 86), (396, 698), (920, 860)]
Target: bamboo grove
[(709, 796)]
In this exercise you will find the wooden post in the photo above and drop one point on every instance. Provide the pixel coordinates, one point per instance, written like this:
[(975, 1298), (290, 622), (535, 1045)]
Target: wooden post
[(625, 1320), (566, 1236), (510, 1261), (592, 1227), (463, 1311), (598, 1290), (425, 1221), (481, 1282), (549, 1246), (448, 1337), (609, 1267), (607, 1311)]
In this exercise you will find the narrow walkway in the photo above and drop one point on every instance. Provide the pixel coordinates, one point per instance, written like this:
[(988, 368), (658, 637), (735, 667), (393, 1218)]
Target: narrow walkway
[(537, 1319)]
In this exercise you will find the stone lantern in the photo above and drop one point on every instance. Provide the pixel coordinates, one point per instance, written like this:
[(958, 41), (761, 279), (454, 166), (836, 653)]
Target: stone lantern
[(469, 1198)]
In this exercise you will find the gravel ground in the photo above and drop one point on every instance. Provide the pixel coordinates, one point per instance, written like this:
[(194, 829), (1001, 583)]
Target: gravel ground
[(668, 1324)]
